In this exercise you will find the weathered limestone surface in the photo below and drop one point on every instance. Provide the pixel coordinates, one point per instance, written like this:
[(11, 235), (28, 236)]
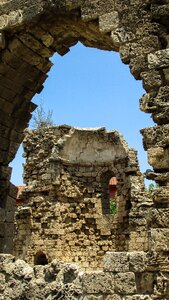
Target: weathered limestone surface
[(58, 280), (31, 31), (30, 34), (63, 216), (66, 210)]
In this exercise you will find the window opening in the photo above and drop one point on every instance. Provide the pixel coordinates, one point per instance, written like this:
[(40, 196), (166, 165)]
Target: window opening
[(109, 190), (112, 187), (112, 195)]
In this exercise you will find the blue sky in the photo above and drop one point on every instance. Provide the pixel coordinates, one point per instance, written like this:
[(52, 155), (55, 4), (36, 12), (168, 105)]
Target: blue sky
[(92, 88)]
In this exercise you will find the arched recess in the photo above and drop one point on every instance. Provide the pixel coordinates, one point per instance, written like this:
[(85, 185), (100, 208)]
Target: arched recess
[(31, 35), (40, 258), (119, 207), (109, 190)]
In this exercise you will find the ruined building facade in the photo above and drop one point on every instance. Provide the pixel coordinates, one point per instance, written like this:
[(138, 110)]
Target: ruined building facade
[(67, 235), (66, 211), (30, 33)]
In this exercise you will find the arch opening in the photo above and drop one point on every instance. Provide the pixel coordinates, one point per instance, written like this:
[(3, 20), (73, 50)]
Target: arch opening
[(40, 259), (29, 37), (99, 75), (28, 54), (109, 192)]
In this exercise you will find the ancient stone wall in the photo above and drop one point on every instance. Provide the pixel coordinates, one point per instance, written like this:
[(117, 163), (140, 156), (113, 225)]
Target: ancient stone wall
[(125, 276), (7, 212), (66, 212), (30, 34)]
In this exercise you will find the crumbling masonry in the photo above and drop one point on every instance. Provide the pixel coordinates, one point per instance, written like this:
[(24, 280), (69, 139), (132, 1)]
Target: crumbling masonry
[(66, 210), (31, 31)]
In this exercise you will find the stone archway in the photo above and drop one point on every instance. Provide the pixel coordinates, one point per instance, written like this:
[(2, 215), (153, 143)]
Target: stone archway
[(31, 33)]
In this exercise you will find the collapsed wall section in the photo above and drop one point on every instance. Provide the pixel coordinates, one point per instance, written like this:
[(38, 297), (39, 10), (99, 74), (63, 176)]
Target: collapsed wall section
[(67, 211)]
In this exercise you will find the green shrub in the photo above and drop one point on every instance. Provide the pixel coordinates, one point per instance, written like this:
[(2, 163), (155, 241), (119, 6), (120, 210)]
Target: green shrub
[(152, 186), (113, 207)]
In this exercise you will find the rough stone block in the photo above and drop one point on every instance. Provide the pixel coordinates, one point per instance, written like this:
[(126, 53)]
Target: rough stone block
[(157, 136), (23, 270), (158, 158), (137, 261), (12, 19), (162, 96), (2, 214), (9, 229), (44, 36), (98, 282), (2, 282), (161, 263), (2, 40), (138, 64), (10, 203), (166, 75), (156, 103), (116, 262), (92, 9), (93, 297), (138, 240), (152, 80), (73, 4), (125, 283), (142, 48), (160, 11), (148, 103), (5, 259), (109, 22), (23, 52), (137, 297), (126, 52), (121, 5), (161, 194), (159, 240), (8, 95), (159, 59), (9, 216), (113, 297), (35, 45), (158, 217), (14, 62), (145, 282)]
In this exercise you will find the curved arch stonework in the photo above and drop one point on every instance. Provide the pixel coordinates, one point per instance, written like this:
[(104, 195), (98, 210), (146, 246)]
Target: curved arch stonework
[(30, 32)]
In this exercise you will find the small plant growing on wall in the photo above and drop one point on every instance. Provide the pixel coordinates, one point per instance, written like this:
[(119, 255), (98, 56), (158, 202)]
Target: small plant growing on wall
[(42, 119), (152, 186), (113, 207)]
